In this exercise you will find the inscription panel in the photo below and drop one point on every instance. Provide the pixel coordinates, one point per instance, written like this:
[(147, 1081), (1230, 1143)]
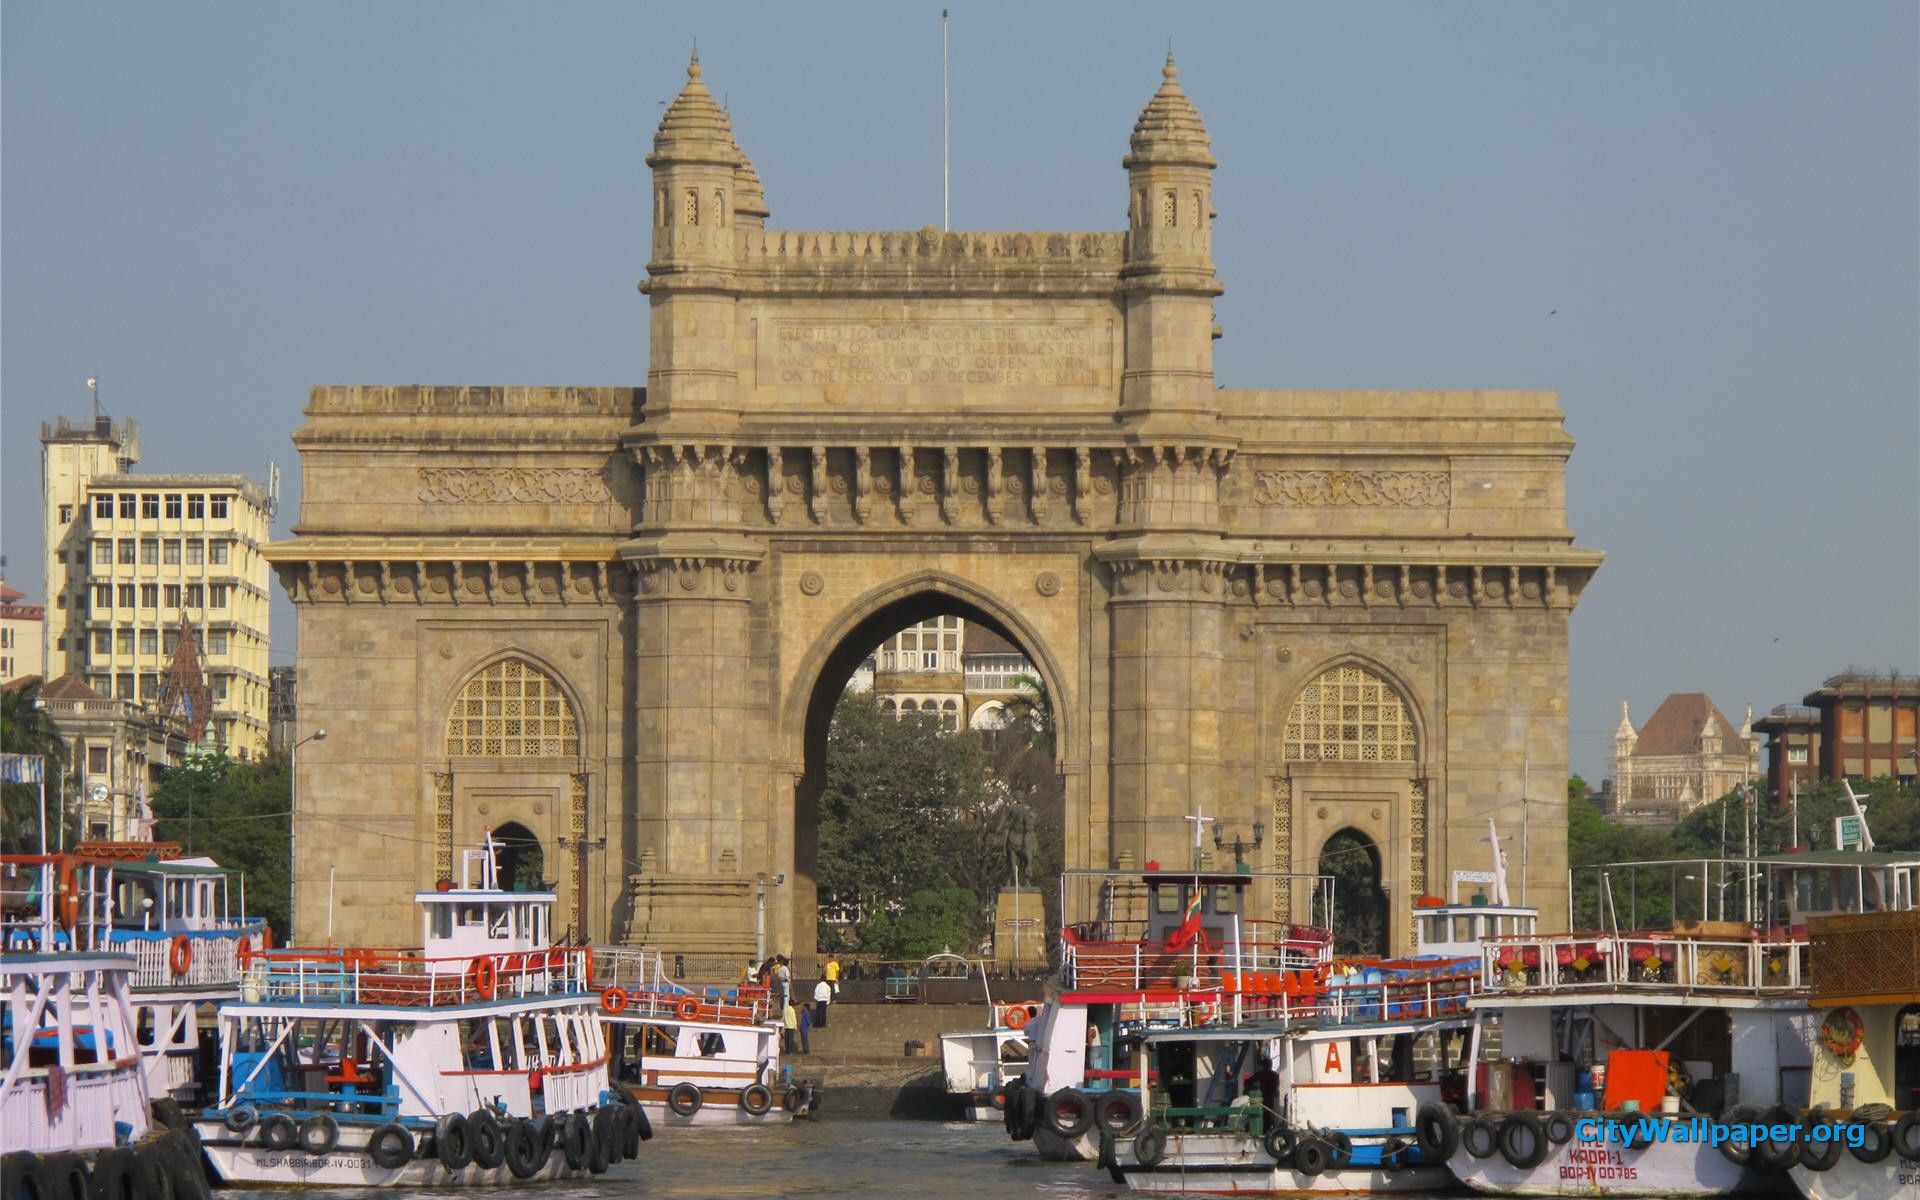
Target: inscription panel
[(829, 353)]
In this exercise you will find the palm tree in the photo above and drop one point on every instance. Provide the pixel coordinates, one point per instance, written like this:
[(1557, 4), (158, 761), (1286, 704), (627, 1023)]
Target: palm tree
[(26, 727), (1032, 707)]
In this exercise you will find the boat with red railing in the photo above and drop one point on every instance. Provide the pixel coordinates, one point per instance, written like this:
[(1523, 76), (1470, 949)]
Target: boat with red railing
[(476, 1059), (694, 1057)]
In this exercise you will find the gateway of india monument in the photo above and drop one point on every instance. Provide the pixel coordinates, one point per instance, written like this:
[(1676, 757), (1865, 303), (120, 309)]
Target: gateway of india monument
[(614, 621)]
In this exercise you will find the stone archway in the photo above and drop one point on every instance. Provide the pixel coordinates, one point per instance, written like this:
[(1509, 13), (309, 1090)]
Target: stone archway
[(1359, 916), (831, 662)]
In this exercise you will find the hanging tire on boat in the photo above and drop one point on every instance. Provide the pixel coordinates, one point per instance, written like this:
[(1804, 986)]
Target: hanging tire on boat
[(627, 1121), (278, 1132), (240, 1118), (523, 1150), (452, 1143), (576, 1141), (1117, 1112), (319, 1134), (188, 1175), (685, 1099), (1480, 1137), (541, 1130), (61, 1177), (1777, 1154), (1394, 1153), (487, 1139), (115, 1175), (599, 1154), (1311, 1157), (1279, 1143), (606, 1133), (1737, 1150), (1150, 1146), (1820, 1155), (168, 1114), (1025, 1113), (1437, 1130), (756, 1100), (1068, 1114), (1875, 1144), (1558, 1126), (150, 1178), (391, 1146), (1339, 1150), (1523, 1141), (641, 1121), (1906, 1137)]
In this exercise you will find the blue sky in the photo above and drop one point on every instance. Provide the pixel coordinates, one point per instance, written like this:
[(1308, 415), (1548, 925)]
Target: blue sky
[(1697, 223)]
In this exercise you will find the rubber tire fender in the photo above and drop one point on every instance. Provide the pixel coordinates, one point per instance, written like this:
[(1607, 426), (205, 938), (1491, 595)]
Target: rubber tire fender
[(114, 1175), (1735, 1152), (1765, 1156), (149, 1173), (1437, 1130), (18, 1174), (452, 1143), (390, 1146), (240, 1118), (64, 1177), (576, 1141), (599, 1154), (167, 1114), (1311, 1157), (685, 1099), (1906, 1137), (190, 1174), (606, 1133), (278, 1132), (1279, 1143), (319, 1134), (1558, 1126), (522, 1147), (1117, 1112), (643, 1122), (1060, 1104), (1820, 1156), (756, 1100), (1339, 1150), (1108, 1159), (1028, 1118), (626, 1122), (486, 1139), (1527, 1127), (1875, 1144), (1480, 1137), (1010, 1111), (1150, 1146)]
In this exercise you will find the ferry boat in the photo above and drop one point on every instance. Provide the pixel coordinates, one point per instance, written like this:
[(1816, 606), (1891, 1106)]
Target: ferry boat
[(74, 1105), (1616, 1046), (694, 1058), (177, 917), (978, 1063), (1316, 1086), (477, 1059), (1140, 951), (1866, 1077)]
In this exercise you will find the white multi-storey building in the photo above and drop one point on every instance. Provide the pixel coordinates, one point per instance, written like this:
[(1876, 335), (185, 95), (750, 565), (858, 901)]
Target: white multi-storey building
[(132, 558)]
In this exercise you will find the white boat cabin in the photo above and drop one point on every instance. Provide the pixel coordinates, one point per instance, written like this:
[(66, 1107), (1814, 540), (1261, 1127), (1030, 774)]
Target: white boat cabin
[(478, 920), (73, 1077)]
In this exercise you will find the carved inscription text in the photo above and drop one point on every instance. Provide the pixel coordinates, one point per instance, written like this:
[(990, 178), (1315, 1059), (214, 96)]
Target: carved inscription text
[(511, 485), (933, 353), (1370, 489)]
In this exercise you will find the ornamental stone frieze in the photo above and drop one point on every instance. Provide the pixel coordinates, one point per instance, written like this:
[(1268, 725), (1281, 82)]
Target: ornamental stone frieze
[(1367, 489), (511, 485), (526, 581)]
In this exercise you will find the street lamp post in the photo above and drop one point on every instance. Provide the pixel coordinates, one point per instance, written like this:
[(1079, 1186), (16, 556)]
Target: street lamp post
[(293, 826), (1240, 847)]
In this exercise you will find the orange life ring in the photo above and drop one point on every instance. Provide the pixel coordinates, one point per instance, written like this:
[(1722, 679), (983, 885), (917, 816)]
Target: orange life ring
[(614, 999), (244, 954), (266, 936), (1017, 1016), (486, 976), (180, 954), (1202, 1014), (687, 1009), (1842, 1032)]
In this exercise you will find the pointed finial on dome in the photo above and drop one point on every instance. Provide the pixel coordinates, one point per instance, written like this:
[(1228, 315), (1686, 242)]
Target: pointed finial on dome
[(693, 63), (1169, 71), (1169, 130)]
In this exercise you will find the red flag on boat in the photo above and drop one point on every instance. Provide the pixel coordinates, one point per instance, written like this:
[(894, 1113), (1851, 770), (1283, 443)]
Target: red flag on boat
[(1188, 929)]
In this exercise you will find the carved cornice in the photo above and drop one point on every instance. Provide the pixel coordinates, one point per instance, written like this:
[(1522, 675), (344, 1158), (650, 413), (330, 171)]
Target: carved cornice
[(383, 580)]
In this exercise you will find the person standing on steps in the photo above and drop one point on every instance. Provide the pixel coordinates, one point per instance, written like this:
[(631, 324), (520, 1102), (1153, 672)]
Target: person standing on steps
[(806, 1026), (782, 981), (822, 996), (790, 1029), (833, 975)]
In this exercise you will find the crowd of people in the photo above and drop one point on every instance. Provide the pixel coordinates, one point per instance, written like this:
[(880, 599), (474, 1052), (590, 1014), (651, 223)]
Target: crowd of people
[(799, 1015)]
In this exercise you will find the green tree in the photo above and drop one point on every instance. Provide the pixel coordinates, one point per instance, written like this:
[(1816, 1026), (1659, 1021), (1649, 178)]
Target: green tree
[(238, 813), (27, 728), (929, 922), (1576, 788)]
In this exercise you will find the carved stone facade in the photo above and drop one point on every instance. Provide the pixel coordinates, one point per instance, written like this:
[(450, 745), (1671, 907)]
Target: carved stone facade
[(843, 434)]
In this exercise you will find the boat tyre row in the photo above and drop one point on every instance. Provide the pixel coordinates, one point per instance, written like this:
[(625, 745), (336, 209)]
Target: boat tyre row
[(590, 1139), (1525, 1139), (165, 1166), (1068, 1113), (756, 1099)]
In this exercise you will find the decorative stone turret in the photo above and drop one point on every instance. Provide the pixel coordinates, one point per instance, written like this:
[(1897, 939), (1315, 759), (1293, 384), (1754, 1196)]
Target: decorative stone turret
[(695, 160), (750, 209), (1168, 279)]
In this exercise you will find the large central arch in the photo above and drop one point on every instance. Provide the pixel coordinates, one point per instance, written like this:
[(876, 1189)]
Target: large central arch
[(830, 663)]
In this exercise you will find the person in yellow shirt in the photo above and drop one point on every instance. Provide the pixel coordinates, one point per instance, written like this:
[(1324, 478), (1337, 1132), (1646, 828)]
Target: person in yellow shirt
[(833, 973)]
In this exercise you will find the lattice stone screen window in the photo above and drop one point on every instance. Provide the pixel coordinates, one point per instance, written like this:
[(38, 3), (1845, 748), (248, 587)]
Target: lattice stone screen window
[(1349, 714), (511, 709)]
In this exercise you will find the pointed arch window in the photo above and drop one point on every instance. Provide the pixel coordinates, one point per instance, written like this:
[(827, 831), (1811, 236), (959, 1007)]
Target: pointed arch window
[(1350, 714), (512, 709)]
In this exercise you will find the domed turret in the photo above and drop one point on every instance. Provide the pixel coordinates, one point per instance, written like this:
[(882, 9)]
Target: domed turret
[(694, 161), (750, 209), (1169, 130), (1169, 176)]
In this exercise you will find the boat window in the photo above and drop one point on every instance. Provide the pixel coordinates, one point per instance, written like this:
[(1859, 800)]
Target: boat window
[(1166, 898), (442, 920), (1463, 929), (1226, 899), (472, 914), (501, 925), (711, 1044)]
